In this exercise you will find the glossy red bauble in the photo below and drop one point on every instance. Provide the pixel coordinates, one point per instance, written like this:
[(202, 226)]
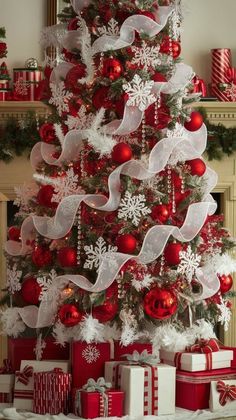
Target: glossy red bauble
[(41, 256), (226, 282), (47, 133), (121, 153), (160, 303), (101, 99), (171, 253), (126, 243), (160, 213), (108, 310), (159, 77), (196, 121), (197, 166), (72, 77), (44, 196), (73, 24), (67, 257), (69, 315), (30, 290), (170, 47), (14, 233), (112, 68)]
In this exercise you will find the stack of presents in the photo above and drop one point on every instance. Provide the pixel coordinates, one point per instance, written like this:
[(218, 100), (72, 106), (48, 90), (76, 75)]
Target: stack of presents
[(107, 379)]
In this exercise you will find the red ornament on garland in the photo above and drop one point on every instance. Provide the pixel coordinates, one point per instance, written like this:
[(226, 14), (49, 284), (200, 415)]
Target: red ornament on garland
[(72, 77), (44, 196), (160, 213), (226, 282), (126, 243), (100, 98), (197, 166), (171, 253), (47, 133), (195, 122), (67, 257), (121, 153), (112, 68), (170, 47), (30, 290), (14, 233), (160, 303), (108, 310), (69, 315), (41, 256)]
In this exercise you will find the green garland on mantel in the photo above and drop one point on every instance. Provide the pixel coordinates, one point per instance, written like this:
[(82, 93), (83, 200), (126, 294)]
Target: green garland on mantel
[(18, 137)]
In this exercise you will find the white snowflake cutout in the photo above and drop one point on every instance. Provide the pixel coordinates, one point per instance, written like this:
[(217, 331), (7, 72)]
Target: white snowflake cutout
[(82, 120), (225, 314), (95, 253), (13, 279), (46, 282), (133, 208), (146, 56), (142, 284), (91, 354), (60, 97), (39, 348), (139, 92), (65, 186), (24, 193), (189, 262), (111, 29)]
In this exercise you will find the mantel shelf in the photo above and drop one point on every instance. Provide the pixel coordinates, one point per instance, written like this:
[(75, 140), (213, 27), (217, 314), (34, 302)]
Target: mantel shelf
[(19, 109)]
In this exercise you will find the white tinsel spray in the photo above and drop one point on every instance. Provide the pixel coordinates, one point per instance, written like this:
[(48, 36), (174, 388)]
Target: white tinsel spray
[(12, 324), (91, 330)]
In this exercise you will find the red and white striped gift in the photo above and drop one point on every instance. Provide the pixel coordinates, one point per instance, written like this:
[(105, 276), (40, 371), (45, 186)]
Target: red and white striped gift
[(25, 82), (52, 392), (221, 61)]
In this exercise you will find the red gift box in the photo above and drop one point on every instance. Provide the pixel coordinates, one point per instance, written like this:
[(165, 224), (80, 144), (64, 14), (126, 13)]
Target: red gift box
[(23, 349), (193, 388), (26, 84), (91, 404), (4, 95), (88, 361), (120, 350), (51, 392)]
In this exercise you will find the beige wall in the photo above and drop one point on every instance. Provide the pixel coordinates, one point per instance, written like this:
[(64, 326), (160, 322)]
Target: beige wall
[(208, 24), (23, 20)]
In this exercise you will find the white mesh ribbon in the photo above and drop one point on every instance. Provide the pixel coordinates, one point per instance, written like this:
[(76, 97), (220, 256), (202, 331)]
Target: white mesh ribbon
[(78, 5)]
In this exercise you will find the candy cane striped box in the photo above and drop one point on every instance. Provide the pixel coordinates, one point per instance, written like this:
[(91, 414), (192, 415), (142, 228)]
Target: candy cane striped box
[(214, 402), (149, 390)]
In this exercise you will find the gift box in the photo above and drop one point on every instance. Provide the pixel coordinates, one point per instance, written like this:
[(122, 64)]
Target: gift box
[(88, 360), (52, 392), (223, 395), (193, 388), (26, 83), (225, 92), (23, 349), (233, 361), (120, 351), (112, 371), (149, 390), (4, 94), (24, 380), (195, 362)]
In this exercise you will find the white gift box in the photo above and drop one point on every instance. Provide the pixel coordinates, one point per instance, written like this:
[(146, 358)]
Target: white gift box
[(194, 362), (214, 402), (23, 393)]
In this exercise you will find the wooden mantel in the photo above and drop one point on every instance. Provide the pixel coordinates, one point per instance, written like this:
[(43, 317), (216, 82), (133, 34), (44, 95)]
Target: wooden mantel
[(19, 109)]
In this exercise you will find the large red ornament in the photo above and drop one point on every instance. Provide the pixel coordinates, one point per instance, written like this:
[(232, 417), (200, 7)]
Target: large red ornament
[(100, 98), (67, 257), (126, 243), (72, 77), (226, 282), (69, 315), (160, 303), (195, 122), (14, 233), (121, 153), (41, 256), (47, 133), (197, 166), (160, 213), (170, 47), (159, 77), (112, 68), (30, 290), (108, 310), (171, 253), (44, 196)]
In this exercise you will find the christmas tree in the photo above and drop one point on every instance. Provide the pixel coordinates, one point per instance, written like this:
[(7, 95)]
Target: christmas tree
[(116, 236)]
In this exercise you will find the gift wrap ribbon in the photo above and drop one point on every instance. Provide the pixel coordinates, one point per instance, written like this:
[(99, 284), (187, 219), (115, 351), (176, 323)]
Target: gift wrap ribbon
[(24, 375), (202, 346), (95, 386), (227, 392)]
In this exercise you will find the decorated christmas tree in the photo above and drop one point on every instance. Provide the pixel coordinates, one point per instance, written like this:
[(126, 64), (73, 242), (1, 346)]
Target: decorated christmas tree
[(117, 237)]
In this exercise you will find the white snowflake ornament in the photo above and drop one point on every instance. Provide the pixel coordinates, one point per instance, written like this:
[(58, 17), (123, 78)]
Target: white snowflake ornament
[(139, 92), (91, 354), (82, 120), (146, 56), (13, 279), (39, 348), (189, 262), (65, 186), (60, 97), (46, 282), (142, 284), (133, 208), (24, 193), (112, 28), (95, 253), (225, 314)]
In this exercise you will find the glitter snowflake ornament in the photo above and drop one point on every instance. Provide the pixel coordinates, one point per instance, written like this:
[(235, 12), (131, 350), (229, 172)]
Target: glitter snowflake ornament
[(133, 208), (189, 262), (65, 186), (95, 253), (112, 28), (146, 56), (13, 279), (139, 93), (39, 348), (60, 97), (91, 354), (46, 282), (225, 314), (82, 120)]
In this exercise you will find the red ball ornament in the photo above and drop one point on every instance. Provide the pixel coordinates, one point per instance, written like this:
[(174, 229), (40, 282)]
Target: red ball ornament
[(126, 243), (121, 153), (108, 310), (72, 77), (160, 303), (171, 253), (112, 68), (14, 233), (30, 290), (170, 47), (44, 196), (197, 166), (41, 256), (159, 77), (226, 282), (67, 257), (100, 98), (73, 24), (195, 122), (69, 315), (47, 133), (160, 213)]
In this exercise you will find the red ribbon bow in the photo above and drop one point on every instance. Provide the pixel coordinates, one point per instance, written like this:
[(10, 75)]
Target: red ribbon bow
[(204, 346), (231, 74), (227, 392), (24, 375), (7, 367)]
